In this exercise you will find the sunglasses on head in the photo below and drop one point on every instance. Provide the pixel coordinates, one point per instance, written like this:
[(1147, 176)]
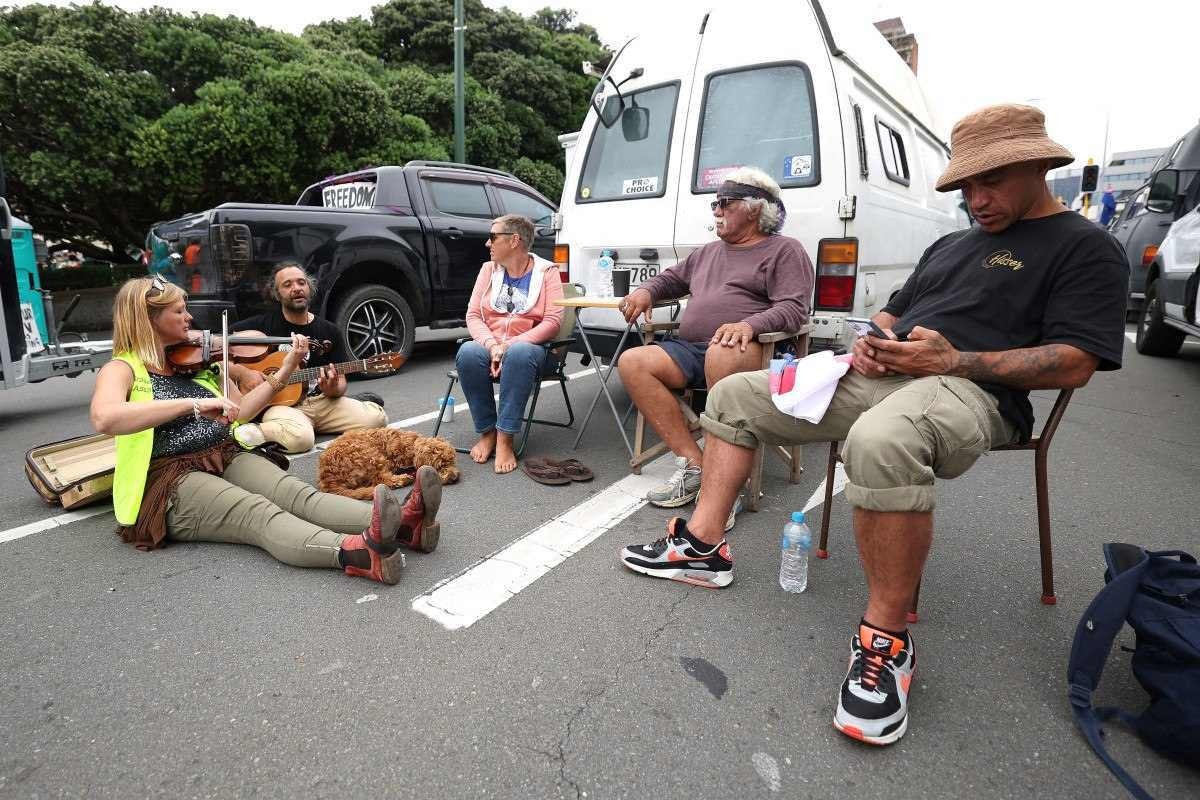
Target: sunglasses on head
[(157, 287), (492, 235), (723, 202)]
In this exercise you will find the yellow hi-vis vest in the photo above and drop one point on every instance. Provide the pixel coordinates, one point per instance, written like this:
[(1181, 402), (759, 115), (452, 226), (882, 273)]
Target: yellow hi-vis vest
[(134, 449)]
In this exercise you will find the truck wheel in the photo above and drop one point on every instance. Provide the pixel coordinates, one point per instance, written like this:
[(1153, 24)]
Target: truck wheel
[(374, 319), (1154, 336)]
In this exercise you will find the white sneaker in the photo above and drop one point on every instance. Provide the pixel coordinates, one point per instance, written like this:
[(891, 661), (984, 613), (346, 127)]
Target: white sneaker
[(680, 489), (249, 436)]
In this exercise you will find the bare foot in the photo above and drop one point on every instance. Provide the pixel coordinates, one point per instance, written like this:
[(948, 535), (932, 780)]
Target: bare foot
[(482, 450), (506, 459)]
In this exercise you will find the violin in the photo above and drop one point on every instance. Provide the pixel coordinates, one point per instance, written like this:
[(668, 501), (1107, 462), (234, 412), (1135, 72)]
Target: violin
[(203, 349)]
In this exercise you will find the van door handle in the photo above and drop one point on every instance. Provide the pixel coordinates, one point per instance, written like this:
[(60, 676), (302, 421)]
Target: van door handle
[(451, 233)]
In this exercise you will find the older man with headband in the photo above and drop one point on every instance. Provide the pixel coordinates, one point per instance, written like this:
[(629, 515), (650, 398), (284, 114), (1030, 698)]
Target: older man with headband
[(752, 280), (1031, 297)]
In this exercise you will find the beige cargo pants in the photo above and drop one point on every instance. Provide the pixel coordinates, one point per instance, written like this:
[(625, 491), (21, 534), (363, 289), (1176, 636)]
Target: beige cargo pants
[(295, 427), (898, 433)]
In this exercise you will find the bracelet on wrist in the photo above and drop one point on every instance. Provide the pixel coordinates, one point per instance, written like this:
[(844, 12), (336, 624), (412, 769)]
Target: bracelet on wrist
[(274, 382), (196, 410)]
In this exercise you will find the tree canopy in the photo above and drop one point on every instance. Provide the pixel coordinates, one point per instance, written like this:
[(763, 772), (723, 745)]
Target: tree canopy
[(112, 120)]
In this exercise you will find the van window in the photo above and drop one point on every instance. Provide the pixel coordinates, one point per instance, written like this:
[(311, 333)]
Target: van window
[(861, 137), (520, 203), (616, 168), (760, 117), (459, 198), (891, 148)]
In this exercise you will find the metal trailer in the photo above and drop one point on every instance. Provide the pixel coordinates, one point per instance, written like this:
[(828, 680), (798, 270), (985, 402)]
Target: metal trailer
[(17, 365)]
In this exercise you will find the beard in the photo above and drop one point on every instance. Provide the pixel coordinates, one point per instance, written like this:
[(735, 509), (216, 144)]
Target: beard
[(296, 303)]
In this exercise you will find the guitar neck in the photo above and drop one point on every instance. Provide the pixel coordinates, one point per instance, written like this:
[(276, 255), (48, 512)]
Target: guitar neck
[(310, 374)]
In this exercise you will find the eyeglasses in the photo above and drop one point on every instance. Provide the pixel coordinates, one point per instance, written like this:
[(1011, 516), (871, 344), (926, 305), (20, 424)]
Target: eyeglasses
[(493, 234), (157, 287), (723, 202)]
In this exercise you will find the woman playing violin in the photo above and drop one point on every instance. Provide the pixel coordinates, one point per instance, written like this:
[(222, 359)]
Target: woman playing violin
[(180, 476)]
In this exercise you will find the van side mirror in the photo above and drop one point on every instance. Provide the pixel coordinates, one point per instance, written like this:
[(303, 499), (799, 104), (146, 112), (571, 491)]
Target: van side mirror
[(610, 110), (635, 123), (1164, 191), (5, 221)]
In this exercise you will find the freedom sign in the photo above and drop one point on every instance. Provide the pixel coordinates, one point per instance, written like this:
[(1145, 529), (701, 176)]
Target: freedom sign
[(349, 195)]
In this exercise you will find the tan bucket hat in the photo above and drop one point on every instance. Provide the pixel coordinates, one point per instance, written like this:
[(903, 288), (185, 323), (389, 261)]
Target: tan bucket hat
[(995, 137)]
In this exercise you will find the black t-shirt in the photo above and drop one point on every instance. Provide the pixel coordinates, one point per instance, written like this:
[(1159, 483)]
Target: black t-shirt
[(273, 323), (1055, 279)]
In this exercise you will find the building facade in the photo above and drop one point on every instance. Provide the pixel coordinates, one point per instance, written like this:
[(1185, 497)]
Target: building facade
[(901, 40), (1125, 172)]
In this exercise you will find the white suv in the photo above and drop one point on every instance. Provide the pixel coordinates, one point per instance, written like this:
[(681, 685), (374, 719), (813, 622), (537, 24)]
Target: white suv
[(1173, 279)]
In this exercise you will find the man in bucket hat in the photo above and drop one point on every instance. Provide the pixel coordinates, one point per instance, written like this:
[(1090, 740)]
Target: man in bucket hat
[(1030, 297)]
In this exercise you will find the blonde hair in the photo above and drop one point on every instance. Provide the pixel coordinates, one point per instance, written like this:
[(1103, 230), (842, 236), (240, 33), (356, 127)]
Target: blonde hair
[(136, 304)]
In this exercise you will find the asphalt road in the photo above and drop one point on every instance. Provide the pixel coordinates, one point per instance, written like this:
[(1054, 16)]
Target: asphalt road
[(213, 671)]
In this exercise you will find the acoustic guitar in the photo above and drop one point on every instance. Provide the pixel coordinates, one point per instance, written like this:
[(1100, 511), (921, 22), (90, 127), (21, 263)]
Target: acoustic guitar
[(296, 386)]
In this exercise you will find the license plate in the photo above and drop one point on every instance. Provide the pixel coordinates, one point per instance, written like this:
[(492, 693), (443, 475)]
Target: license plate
[(639, 273)]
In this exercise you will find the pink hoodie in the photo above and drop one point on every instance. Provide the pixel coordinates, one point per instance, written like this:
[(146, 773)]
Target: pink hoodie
[(538, 324)]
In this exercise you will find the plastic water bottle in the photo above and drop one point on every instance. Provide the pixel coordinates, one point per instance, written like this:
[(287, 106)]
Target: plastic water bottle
[(604, 268), (793, 548), (446, 407)]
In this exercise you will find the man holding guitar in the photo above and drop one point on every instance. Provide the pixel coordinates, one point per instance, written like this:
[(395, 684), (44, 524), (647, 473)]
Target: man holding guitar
[(324, 410)]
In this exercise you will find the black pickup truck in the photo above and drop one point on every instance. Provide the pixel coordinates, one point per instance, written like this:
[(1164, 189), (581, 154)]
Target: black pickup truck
[(391, 248)]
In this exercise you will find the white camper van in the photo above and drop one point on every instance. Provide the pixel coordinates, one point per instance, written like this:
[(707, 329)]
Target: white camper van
[(817, 99)]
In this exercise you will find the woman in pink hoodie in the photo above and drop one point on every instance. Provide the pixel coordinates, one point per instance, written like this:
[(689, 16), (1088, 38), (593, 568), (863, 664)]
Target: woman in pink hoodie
[(510, 314)]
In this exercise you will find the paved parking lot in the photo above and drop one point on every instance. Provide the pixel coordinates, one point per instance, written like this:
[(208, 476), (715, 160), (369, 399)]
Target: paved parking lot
[(213, 671)]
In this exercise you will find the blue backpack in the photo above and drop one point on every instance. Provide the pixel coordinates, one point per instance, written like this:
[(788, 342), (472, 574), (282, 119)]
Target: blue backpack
[(1158, 593)]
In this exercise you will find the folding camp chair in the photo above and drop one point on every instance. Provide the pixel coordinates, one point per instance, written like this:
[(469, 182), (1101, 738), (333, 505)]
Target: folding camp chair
[(1040, 445), (553, 371), (790, 455)]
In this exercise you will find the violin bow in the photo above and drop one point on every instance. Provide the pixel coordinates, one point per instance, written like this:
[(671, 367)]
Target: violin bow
[(225, 354)]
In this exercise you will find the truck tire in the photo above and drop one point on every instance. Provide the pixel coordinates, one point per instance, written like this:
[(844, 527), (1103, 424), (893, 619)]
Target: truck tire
[(375, 319), (1154, 336)]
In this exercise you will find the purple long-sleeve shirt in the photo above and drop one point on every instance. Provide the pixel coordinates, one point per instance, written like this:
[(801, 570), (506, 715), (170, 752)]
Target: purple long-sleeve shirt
[(767, 284)]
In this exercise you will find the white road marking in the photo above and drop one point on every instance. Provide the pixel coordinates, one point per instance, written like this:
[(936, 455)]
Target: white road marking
[(464, 599), (95, 511), (839, 484), (53, 522)]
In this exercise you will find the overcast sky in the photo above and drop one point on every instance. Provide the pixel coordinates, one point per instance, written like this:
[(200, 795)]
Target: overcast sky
[(1132, 63)]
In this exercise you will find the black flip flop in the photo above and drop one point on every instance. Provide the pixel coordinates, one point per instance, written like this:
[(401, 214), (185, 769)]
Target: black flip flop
[(572, 468), (542, 472)]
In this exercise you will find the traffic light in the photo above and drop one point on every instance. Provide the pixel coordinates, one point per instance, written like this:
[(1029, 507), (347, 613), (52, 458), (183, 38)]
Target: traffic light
[(1091, 177)]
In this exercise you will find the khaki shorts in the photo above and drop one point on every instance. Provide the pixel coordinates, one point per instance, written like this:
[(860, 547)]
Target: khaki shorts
[(898, 433)]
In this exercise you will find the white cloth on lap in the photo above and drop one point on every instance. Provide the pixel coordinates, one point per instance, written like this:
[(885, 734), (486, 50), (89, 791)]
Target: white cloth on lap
[(817, 377)]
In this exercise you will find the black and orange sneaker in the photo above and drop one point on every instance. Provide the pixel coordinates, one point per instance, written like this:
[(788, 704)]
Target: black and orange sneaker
[(680, 557), (379, 540), (873, 705), (418, 530)]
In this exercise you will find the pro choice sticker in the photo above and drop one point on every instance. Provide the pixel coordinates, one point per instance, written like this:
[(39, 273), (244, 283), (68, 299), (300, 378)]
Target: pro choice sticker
[(639, 186)]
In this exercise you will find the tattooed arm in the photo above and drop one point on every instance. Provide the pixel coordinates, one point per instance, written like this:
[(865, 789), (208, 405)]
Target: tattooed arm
[(1048, 366)]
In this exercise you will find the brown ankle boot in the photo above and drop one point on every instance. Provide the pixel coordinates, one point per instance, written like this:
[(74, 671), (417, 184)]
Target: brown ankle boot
[(379, 540), (418, 530)]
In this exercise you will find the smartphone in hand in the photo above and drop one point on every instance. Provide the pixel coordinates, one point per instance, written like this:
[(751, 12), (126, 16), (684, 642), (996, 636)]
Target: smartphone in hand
[(865, 327)]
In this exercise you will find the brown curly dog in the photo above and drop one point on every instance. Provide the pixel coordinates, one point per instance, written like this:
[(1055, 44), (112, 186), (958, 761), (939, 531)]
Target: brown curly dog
[(357, 461)]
